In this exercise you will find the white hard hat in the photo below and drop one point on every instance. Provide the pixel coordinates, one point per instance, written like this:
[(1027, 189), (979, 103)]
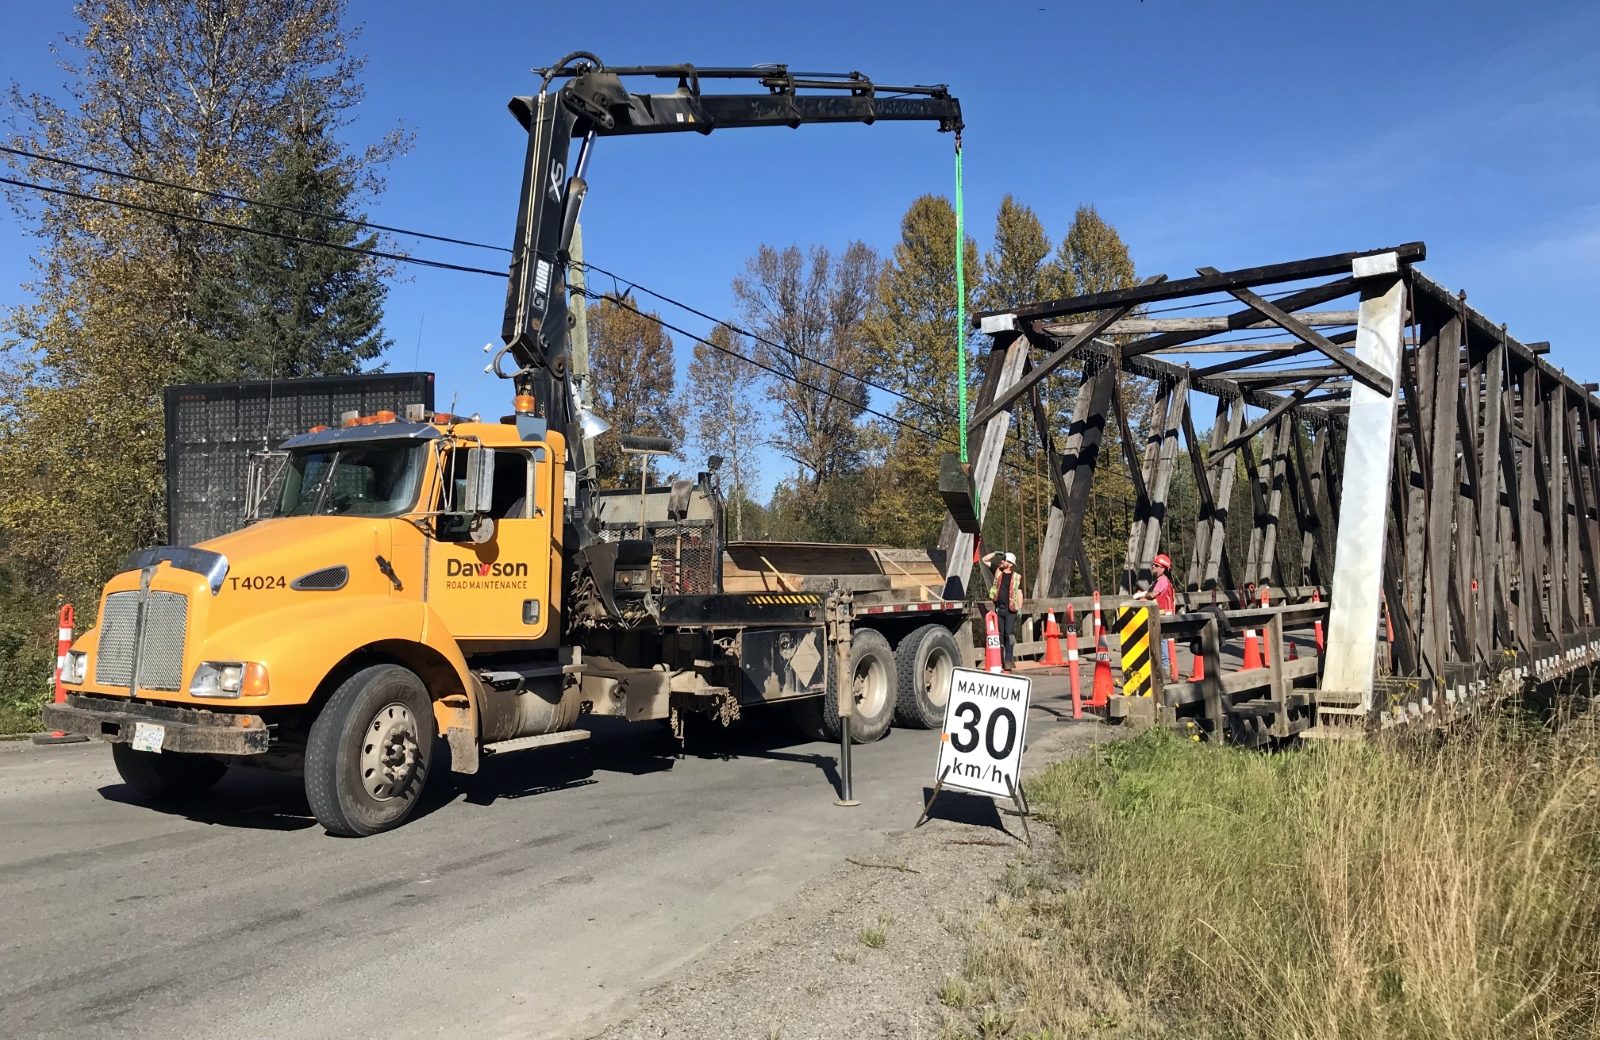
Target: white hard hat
[(1011, 558)]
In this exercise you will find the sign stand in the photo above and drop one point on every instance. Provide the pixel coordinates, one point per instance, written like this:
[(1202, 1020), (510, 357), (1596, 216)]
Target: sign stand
[(1021, 811), (984, 735)]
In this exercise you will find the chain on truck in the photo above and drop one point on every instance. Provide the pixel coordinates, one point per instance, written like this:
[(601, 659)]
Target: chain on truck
[(426, 580)]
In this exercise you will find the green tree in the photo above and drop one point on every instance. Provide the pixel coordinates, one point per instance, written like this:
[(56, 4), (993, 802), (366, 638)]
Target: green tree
[(913, 337), (284, 308), (723, 417), (631, 366)]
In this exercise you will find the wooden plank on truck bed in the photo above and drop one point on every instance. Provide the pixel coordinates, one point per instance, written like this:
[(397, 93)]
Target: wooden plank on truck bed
[(772, 566)]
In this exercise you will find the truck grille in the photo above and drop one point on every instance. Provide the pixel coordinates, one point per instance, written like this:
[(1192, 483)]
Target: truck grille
[(113, 664), (166, 619)]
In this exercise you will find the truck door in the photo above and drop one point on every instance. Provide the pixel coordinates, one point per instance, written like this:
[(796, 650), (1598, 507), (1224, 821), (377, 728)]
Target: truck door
[(499, 589)]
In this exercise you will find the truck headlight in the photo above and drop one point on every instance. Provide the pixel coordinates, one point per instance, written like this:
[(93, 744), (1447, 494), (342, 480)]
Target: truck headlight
[(229, 679), (76, 668)]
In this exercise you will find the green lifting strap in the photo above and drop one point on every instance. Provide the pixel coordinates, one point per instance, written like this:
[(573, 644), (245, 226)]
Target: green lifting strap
[(961, 307)]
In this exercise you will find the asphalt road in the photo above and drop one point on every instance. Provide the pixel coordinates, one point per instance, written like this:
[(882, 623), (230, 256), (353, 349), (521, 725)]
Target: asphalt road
[(530, 900)]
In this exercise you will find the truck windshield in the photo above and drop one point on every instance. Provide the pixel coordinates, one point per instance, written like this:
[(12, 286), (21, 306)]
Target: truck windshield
[(377, 479)]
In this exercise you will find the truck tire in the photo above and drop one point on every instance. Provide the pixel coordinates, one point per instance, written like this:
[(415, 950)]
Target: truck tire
[(924, 661), (871, 679), (165, 776), (368, 754)]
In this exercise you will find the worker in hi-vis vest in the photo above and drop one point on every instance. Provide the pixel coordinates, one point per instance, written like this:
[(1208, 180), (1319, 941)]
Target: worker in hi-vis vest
[(1006, 593)]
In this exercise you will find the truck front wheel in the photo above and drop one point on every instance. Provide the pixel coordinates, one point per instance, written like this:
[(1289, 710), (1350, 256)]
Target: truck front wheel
[(165, 776), (368, 753)]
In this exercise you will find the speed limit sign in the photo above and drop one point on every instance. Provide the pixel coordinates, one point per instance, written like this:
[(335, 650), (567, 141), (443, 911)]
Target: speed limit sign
[(985, 725)]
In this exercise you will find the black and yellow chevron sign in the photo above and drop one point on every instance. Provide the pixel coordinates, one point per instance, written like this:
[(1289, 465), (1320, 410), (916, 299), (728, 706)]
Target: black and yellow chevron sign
[(1133, 628), (784, 598)]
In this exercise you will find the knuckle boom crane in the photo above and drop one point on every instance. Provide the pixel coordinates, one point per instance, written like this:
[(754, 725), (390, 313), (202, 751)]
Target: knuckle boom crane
[(592, 103)]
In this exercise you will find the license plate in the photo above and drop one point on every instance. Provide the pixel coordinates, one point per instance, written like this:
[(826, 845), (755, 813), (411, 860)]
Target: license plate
[(147, 736)]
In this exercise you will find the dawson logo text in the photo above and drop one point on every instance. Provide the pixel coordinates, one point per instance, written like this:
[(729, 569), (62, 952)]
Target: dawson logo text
[(472, 569)]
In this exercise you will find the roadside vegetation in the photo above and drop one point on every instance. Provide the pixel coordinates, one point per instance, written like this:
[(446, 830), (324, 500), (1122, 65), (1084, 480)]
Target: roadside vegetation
[(1409, 887)]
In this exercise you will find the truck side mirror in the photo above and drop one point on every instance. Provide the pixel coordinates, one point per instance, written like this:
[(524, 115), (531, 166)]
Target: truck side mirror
[(480, 482)]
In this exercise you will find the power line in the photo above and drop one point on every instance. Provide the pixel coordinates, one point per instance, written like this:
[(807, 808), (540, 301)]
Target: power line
[(930, 434), (439, 264), (226, 226), (442, 265), (413, 233), (937, 409), (230, 197), (227, 196), (913, 427), (246, 229)]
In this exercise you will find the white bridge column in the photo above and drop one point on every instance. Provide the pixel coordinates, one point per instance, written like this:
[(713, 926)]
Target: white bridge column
[(1357, 589)]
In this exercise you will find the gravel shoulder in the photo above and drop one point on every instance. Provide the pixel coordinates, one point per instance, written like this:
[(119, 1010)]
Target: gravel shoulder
[(862, 950)]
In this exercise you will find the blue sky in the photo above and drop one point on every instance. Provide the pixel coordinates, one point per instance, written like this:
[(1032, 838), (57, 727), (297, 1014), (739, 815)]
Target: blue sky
[(1221, 134)]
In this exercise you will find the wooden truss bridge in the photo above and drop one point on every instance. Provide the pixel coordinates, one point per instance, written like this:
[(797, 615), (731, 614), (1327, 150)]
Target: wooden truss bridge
[(1441, 476)]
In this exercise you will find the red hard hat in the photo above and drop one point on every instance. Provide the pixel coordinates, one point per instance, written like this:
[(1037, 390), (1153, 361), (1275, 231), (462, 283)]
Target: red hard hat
[(1163, 560)]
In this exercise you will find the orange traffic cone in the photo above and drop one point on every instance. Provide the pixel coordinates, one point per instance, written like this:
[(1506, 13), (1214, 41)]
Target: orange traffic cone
[(1253, 655), (1052, 641), (64, 624), (992, 661), (1316, 597), (1252, 651), (1199, 672), (1102, 675), (1294, 651)]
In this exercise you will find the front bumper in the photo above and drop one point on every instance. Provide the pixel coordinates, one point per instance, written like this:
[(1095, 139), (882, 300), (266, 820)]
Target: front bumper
[(190, 730)]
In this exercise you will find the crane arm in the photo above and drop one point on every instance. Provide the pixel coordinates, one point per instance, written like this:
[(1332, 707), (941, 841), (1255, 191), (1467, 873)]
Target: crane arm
[(593, 103)]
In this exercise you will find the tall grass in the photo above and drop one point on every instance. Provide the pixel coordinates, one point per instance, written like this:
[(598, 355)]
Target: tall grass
[(1410, 887)]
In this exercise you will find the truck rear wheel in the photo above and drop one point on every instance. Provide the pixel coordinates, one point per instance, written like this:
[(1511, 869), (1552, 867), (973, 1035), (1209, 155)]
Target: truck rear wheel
[(368, 753), (925, 661), (165, 776), (871, 682)]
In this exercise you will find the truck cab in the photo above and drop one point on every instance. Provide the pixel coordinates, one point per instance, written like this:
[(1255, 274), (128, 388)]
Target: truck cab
[(397, 552)]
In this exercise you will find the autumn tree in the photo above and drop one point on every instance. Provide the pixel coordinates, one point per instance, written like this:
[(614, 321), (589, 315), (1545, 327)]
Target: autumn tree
[(806, 311), (1018, 269), (1091, 258), (632, 372), (720, 405), (914, 349), (201, 95)]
